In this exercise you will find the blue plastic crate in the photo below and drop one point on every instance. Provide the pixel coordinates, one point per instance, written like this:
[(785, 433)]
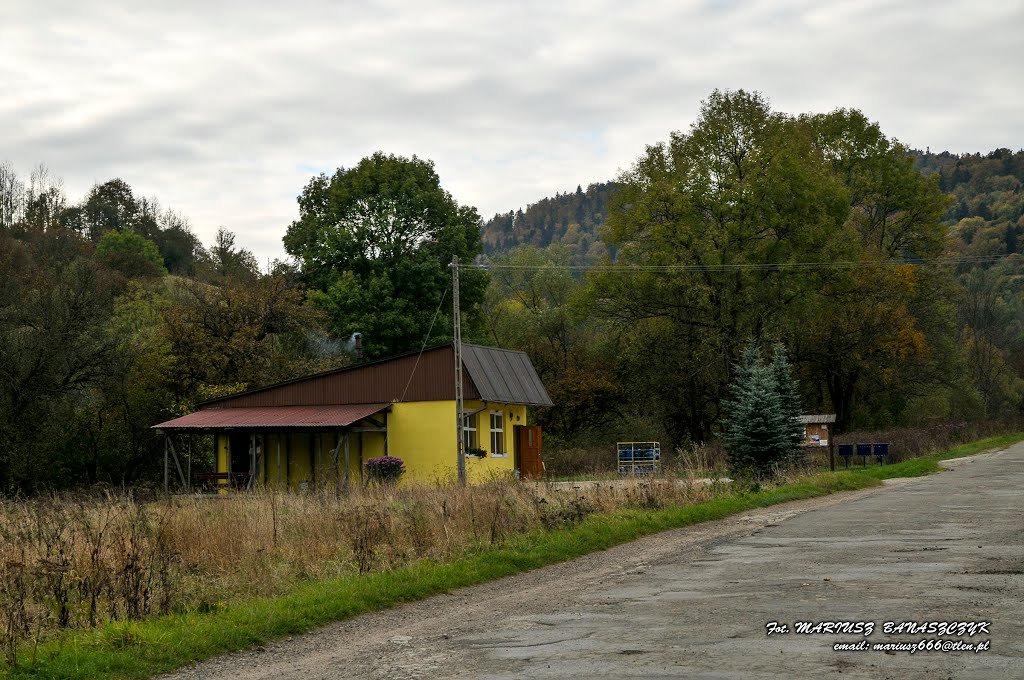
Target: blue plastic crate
[(638, 458)]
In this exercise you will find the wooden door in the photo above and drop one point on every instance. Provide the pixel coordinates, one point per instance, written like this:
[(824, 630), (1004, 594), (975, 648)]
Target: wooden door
[(528, 451)]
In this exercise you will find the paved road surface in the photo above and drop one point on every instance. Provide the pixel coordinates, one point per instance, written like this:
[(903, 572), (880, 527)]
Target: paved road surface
[(694, 602)]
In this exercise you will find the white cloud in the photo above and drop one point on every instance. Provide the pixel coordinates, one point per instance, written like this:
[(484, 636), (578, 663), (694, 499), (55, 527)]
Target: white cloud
[(223, 109)]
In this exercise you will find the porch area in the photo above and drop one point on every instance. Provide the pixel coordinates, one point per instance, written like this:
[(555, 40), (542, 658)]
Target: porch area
[(296, 448)]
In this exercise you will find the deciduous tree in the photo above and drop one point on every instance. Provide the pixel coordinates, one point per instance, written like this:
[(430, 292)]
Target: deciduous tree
[(725, 208), (375, 242)]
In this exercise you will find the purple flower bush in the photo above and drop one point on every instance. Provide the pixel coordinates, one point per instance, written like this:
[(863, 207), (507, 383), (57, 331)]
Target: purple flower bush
[(385, 470)]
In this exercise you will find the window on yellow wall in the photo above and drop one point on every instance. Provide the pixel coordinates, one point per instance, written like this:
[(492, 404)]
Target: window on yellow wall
[(469, 435), (497, 433)]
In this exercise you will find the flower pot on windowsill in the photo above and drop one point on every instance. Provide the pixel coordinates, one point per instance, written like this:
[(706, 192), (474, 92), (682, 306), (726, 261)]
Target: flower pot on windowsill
[(476, 453)]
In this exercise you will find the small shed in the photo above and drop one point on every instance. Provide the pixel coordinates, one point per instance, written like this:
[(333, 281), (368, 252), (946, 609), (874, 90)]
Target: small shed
[(319, 430), (816, 428)]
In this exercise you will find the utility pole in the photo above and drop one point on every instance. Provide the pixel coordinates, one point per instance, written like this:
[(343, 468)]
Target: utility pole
[(459, 406)]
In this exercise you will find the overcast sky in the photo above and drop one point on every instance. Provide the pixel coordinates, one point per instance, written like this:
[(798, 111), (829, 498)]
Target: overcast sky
[(224, 110)]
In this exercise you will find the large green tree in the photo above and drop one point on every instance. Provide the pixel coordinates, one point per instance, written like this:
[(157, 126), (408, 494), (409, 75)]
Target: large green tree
[(735, 226), (110, 206), (375, 242), (726, 206), (881, 331)]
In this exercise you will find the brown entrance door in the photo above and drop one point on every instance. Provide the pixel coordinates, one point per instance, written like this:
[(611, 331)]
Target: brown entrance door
[(528, 451)]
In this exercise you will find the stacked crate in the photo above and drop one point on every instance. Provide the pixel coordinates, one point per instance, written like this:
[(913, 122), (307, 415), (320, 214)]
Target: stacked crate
[(639, 458)]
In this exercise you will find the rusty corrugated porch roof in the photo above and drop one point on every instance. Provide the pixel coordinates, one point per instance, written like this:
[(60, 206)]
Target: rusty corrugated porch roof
[(273, 417)]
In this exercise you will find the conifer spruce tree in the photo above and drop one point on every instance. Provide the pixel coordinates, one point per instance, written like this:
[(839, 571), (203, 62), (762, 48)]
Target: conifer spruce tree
[(759, 429), (789, 399)]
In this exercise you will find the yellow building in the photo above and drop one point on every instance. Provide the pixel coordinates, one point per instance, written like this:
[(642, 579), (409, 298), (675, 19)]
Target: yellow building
[(318, 432)]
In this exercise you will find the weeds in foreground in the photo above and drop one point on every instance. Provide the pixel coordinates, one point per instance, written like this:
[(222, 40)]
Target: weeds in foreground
[(81, 561)]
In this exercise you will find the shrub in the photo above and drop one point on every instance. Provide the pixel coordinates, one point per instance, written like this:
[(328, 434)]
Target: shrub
[(385, 470)]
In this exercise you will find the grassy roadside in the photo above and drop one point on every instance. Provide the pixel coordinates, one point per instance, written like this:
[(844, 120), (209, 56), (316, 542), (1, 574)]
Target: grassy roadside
[(142, 649), (925, 465)]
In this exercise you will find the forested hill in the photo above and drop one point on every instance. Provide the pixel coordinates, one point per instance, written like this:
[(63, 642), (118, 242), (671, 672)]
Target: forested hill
[(984, 186), (986, 190), (572, 219)]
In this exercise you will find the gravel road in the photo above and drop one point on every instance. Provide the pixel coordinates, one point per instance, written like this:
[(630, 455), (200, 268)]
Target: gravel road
[(695, 602)]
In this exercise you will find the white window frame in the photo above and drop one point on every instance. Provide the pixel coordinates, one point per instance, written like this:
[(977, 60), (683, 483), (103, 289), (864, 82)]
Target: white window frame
[(470, 437), (499, 430)]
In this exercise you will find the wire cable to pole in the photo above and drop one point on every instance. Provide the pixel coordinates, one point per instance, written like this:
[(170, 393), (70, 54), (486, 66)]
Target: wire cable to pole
[(780, 266), (426, 339)]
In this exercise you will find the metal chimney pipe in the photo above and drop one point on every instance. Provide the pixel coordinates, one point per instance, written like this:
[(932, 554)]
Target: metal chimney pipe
[(359, 347)]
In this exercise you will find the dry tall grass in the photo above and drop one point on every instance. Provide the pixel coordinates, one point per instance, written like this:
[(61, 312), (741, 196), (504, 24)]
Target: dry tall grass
[(76, 561), (79, 560)]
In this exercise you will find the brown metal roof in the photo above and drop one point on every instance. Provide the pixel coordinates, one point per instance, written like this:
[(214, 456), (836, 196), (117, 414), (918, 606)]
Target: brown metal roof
[(504, 375), (491, 375), (408, 377), (307, 417)]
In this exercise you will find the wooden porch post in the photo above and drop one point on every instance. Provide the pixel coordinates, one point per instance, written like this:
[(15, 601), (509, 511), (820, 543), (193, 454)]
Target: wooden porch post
[(278, 460), (252, 460), (167, 481), (188, 487), (347, 459), (260, 451), (169, 443), (227, 450), (314, 455), (334, 462)]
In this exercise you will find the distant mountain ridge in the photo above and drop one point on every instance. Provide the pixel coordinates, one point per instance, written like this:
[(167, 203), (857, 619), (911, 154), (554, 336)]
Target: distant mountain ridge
[(986, 186), (573, 219)]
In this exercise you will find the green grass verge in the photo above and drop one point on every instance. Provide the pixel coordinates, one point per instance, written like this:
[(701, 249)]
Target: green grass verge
[(142, 649)]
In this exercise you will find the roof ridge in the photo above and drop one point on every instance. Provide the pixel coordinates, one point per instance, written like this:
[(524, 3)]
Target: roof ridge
[(320, 374)]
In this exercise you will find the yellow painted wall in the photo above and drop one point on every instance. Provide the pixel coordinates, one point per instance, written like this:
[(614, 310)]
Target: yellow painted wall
[(420, 433), (482, 469), (303, 465), (221, 445), (307, 460)]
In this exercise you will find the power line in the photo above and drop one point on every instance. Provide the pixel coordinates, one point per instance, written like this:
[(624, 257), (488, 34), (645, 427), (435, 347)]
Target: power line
[(780, 266), (426, 338)]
